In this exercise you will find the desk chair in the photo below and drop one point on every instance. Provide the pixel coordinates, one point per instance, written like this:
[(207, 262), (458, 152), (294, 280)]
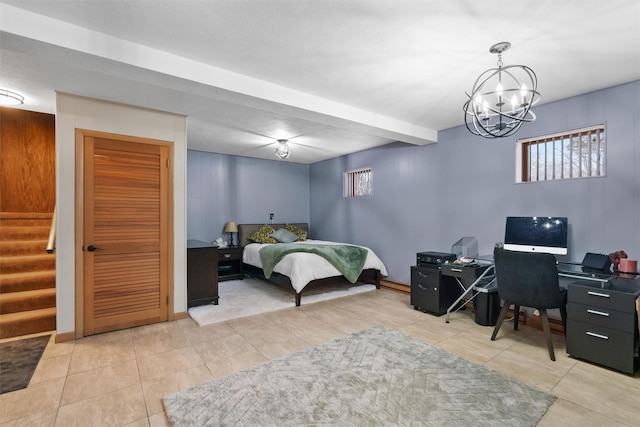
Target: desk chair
[(529, 280)]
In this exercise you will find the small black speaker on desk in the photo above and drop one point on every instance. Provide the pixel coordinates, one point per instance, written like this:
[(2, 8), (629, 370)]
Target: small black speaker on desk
[(596, 261)]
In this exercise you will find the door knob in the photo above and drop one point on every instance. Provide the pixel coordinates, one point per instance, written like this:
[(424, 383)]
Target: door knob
[(92, 248)]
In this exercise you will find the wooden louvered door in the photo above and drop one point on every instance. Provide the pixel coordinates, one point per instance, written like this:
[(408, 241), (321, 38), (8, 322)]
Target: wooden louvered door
[(125, 234)]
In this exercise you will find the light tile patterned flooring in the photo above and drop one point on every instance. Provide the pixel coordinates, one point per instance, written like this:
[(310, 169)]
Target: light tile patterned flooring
[(119, 378)]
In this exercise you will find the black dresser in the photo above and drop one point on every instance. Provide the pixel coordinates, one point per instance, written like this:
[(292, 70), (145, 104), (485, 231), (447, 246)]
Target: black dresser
[(202, 273), (602, 323)]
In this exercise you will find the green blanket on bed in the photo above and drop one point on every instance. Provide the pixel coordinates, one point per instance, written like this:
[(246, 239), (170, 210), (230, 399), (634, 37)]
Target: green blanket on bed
[(348, 260)]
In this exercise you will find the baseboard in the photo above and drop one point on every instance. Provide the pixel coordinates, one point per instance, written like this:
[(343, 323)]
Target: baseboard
[(395, 285), (67, 336), (180, 315), (555, 325)]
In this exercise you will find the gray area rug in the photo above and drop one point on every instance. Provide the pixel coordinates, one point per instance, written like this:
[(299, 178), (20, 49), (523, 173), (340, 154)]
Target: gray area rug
[(18, 361), (376, 377)]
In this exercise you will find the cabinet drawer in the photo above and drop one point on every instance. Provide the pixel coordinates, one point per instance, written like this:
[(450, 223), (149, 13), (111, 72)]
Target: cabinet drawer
[(229, 254), (602, 298), (466, 272), (604, 317), (608, 347), (425, 276)]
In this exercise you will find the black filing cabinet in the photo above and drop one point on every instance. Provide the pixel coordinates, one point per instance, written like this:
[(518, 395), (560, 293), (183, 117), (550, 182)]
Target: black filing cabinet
[(602, 323), (432, 292)]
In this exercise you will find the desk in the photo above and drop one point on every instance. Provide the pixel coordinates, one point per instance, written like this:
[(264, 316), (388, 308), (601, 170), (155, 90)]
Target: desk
[(472, 278), (577, 271), (602, 313)]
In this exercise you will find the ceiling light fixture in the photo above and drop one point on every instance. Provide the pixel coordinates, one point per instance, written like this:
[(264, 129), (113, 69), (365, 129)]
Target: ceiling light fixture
[(283, 150), (501, 98), (10, 98)]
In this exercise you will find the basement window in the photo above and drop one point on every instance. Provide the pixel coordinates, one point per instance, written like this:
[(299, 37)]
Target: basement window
[(574, 154), (357, 183)]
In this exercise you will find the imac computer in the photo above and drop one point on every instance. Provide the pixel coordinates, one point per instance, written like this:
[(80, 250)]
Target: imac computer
[(536, 234)]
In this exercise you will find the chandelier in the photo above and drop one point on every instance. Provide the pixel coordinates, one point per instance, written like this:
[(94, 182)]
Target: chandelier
[(283, 150), (501, 98)]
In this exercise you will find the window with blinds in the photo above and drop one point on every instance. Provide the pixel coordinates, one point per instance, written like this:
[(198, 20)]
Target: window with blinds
[(575, 154), (357, 183)]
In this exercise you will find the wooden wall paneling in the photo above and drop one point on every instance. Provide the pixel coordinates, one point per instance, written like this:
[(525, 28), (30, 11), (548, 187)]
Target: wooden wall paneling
[(27, 161)]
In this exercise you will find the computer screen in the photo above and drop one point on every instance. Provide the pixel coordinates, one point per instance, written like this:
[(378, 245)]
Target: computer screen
[(536, 234)]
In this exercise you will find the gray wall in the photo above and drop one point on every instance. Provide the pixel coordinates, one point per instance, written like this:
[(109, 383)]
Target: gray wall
[(426, 198), (223, 188)]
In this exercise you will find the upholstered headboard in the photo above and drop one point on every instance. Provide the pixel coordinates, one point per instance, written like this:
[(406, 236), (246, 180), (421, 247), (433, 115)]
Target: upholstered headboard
[(246, 230)]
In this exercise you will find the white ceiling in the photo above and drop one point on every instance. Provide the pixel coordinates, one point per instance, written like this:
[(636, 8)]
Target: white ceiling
[(333, 76)]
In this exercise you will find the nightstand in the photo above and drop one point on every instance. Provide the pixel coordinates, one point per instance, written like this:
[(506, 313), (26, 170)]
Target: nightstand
[(229, 263)]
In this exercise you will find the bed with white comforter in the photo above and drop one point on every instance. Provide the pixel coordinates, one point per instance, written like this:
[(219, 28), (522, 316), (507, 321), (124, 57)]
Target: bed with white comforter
[(299, 269)]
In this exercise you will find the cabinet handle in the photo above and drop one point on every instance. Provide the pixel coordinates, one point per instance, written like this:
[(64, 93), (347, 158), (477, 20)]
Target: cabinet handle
[(599, 313), (598, 294), (227, 255), (456, 270), (593, 334), (422, 274)]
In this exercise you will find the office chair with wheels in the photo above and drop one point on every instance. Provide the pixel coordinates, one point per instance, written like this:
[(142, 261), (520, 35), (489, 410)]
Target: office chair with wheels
[(529, 280)]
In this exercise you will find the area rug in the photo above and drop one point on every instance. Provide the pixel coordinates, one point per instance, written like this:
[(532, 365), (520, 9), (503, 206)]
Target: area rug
[(241, 298), (18, 361), (376, 377)]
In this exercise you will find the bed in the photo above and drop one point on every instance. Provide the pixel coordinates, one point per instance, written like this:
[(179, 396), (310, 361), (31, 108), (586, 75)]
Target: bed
[(301, 269)]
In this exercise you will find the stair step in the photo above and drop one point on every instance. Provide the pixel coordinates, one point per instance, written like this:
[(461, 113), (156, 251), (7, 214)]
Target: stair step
[(28, 218), (20, 232), (27, 322), (27, 263), (23, 247), (27, 274), (27, 300), (16, 282)]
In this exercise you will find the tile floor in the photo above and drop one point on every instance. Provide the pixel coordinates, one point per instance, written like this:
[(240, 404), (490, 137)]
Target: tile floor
[(119, 378)]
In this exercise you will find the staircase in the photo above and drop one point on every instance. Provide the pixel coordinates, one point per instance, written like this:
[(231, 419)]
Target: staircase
[(27, 275)]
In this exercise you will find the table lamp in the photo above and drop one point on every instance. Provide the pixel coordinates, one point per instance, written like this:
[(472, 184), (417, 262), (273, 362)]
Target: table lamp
[(231, 227)]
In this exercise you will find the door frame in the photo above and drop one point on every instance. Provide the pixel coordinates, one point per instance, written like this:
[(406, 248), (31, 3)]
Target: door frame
[(80, 135)]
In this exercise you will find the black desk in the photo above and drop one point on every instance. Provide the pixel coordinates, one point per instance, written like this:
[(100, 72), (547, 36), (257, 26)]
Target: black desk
[(602, 313), (472, 278)]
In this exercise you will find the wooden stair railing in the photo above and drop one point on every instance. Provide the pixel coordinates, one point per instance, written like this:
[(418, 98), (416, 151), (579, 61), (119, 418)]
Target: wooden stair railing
[(51, 243)]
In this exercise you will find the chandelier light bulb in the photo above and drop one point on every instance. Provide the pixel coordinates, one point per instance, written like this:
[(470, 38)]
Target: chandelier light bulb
[(523, 93)]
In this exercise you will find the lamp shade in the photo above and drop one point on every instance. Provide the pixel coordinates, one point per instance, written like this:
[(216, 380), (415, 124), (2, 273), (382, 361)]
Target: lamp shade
[(231, 227)]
